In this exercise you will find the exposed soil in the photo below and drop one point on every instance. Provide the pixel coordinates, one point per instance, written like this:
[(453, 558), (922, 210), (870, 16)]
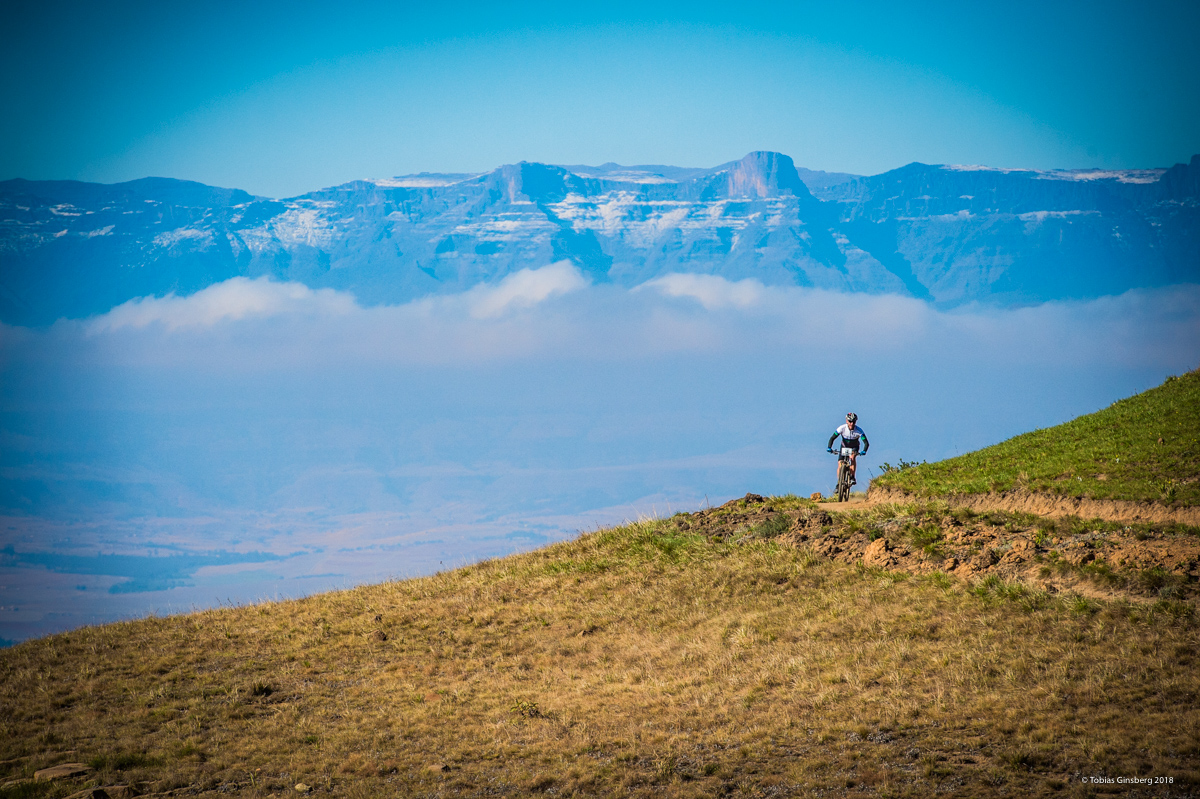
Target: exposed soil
[(1022, 501), (1094, 561)]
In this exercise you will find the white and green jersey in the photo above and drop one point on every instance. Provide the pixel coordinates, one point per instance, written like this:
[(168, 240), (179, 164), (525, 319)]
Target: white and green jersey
[(850, 437)]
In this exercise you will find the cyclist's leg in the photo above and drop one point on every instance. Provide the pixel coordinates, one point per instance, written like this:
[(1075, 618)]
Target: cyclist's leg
[(853, 465)]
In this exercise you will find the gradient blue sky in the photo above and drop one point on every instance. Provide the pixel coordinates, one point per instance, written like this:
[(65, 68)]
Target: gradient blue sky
[(280, 98)]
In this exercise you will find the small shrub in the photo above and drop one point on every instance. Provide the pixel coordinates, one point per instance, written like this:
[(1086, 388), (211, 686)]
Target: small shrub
[(963, 515), (901, 466), (939, 580), (1167, 489), (1159, 580), (1173, 609), (928, 537), (994, 589), (1100, 572), (666, 767), (774, 526), (527, 710), (1082, 605)]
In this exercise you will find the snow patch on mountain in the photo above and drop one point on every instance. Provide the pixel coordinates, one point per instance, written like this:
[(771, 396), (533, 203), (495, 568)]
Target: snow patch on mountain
[(171, 238), (524, 220), (424, 180), (1042, 216), (983, 168), (307, 223), (639, 222), (640, 178), (1120, 175)]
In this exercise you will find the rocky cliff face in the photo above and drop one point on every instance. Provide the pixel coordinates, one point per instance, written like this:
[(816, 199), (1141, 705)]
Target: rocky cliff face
[(948, 234), (1006, 236)]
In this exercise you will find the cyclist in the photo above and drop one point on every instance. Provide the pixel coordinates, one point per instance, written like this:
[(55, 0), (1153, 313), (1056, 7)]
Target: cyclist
[(850, 433)]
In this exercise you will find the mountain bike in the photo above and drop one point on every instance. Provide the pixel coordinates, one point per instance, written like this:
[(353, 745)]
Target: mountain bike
[(843, 473)]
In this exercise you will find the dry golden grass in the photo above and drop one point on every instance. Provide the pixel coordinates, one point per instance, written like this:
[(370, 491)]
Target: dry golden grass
[(635, 661)]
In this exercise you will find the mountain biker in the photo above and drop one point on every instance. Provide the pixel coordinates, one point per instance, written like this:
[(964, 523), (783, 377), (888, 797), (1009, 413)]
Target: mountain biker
[(850, 433)]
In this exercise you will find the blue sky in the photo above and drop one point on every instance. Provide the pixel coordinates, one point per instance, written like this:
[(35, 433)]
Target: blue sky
[(280, 98)]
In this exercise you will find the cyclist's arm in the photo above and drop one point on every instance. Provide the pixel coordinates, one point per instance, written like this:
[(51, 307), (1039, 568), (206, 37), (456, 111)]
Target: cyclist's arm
[(831, 440), (866, 444)]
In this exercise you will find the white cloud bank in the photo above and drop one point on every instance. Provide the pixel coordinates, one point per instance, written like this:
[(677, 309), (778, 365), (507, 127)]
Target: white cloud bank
[(554, 313), (230, 300), (241, 298), (711, 291), (524, 289)]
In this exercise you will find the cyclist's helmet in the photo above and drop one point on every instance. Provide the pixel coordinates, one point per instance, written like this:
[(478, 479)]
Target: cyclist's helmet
[(852, 417)]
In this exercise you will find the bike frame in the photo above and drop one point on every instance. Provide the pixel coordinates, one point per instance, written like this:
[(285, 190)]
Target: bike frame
[(843, 473)]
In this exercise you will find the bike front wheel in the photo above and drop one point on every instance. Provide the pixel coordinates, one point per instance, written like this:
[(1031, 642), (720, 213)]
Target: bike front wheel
[(843, 486)]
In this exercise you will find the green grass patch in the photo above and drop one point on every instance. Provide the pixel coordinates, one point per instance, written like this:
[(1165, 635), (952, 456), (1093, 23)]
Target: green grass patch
[(1145, 447), (653, 540), (774, 526), (928, 537), (791, 502), (994, 590)]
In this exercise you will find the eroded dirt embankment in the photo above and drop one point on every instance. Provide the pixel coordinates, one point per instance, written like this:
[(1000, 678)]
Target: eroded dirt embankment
[(1090, 559), (1021, 501)]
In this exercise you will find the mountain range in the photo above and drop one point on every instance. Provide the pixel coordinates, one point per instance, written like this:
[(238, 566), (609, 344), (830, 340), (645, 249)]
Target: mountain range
[(948, 234)]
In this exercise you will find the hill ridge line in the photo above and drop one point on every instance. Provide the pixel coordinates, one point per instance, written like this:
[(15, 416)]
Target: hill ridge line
[(1022, 501)]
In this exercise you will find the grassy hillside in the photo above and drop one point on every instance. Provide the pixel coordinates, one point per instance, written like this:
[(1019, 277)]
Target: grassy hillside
[(1146, 447), (648, 660)]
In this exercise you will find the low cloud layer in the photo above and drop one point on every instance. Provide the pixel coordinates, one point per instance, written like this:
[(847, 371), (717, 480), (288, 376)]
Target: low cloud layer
[(554, 313), (525, 289), (232, 300), (711, 291)]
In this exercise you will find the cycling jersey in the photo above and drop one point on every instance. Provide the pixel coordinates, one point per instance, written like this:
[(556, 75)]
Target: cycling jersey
[(850, 437)]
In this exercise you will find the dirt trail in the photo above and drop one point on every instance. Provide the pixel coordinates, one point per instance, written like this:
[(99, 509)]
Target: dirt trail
[(856, 502), (1020, 501)]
